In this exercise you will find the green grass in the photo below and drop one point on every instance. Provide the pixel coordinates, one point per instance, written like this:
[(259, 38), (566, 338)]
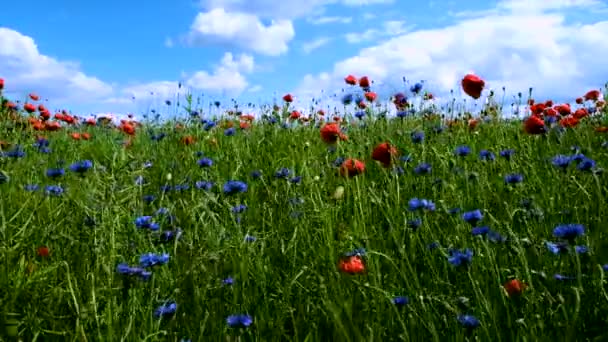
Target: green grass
[(288, 279)]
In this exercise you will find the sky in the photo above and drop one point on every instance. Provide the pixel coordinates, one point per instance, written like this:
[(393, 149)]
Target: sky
[(127, 57)]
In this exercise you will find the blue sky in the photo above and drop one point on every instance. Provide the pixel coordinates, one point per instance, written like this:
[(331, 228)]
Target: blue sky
[(94, 56)]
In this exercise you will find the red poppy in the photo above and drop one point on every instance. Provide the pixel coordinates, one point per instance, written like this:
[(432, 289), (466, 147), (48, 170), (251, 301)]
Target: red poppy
[(370, 96), (514, 287), (428, 96), (538, 108), (187, 140), (247, 117), (364, 82), (34, 97), (30, 108), (534, 125), (127, 128), (569, 121), (352, 265), (91, 122), (45, 115), (52, 126), (472, 85), (530, 102), (337, 119), (350, 79), (295, 115), (1, 83), (579, 100), (244, 125), (563, 109), (592, 95), (361, 105), (549, 103), (550, 111), (473, 123), (75, 136), (288, 98), (384, 153), (85, 136), (331, 132), (43, 252), (581, 113), (321, 112), (601, 129), (352, 167)]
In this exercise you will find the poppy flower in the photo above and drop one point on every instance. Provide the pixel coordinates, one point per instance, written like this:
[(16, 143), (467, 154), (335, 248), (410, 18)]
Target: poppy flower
[(361, 105), (569, 121), (30, 108), (601, 129), (384, 153), (550, 112), (288, 98), (91, 122), (370, 96), (1, 83), (563, 109), (337, 119), (45, 115), (530, 102), (187, 140), (537, 109), (127, 128), (321, 112), (52, 126), (352, 167), (549, 103), (364, 82), (75, 136), (514, 287), (473, 123), (295, 115), (472, 85), (534, 125), (244, 125), (85, 136), (352, 265), (34, 97), (331, 132), (592, 95), (350, 79), (247, 117), (579, 100), (580, 113), (43, 252)]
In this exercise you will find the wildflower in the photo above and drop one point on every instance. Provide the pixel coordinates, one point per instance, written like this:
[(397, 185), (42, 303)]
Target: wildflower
[(256, 174), (384, 153), (31, 187), (422, 168), (514, 287), (586, 164), (282, 173), (507, 154), (569, 231), (462, 151), (414, 223), (230, 131), (151, 259), (203, 185), (472, 217), (170, 235), (486, 155), (400, 301), (54, 190), (561, 161), (415, 204), (352, 265), (55, 173), (205, 162), (460, 258), (557, 247), (472, 85), (228, 281), (81, 166), (417, 137), (234, 186), (145, 222), (239, 209), (468, 321), (239, 321), (43, 252), (514, 178), (166, 310), (352, 167), (250, 238)]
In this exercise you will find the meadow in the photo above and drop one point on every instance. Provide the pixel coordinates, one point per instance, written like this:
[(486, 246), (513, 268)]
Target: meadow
[(431, 225)]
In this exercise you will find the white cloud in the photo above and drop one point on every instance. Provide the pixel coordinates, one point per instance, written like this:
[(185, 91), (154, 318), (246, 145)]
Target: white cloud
[(25, 69), (227, 77), (310, 46), (329, 20), (516, 49), (242, 30), (389, 28)]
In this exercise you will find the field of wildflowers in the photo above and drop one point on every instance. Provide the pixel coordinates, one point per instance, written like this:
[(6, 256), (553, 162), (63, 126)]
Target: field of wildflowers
[(431, 225)]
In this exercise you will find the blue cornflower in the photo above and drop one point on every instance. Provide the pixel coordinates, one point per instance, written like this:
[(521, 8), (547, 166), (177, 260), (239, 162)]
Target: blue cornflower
[(507, 154), (230, 131), (145, 222), (165, 310), (480, 231), (255, 174), (16, 152), (151, 259), (233, 186), (81, 166), (578, 157), (250, 238), (347, 99), (296, 179), (125, 269), (460, 258), (416, 203), (561, 277), (209, 125), (489, 233), (402, 114), (417, 137), (586, 164), (416, 88), (561, 161), (239, 208), (31, 187), (149, 198), (433, 245), (140, 180), (360, 114), (557, 247), (514, 178), (414, 223), (569, 231), (401, 301), (423, 168), (472, 217), (203, 185), (581, 249), (239, 321), (462, 151), (170, 235), (205, 162), (54, 190), (486, 155), (282, 173), (357, 251), (468, 321), (55, 173), (228, 281)]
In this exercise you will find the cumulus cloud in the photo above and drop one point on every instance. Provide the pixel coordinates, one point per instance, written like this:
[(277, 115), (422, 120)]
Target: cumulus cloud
[(26, 69), (517, 49), (241, 29), (389, 28)]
